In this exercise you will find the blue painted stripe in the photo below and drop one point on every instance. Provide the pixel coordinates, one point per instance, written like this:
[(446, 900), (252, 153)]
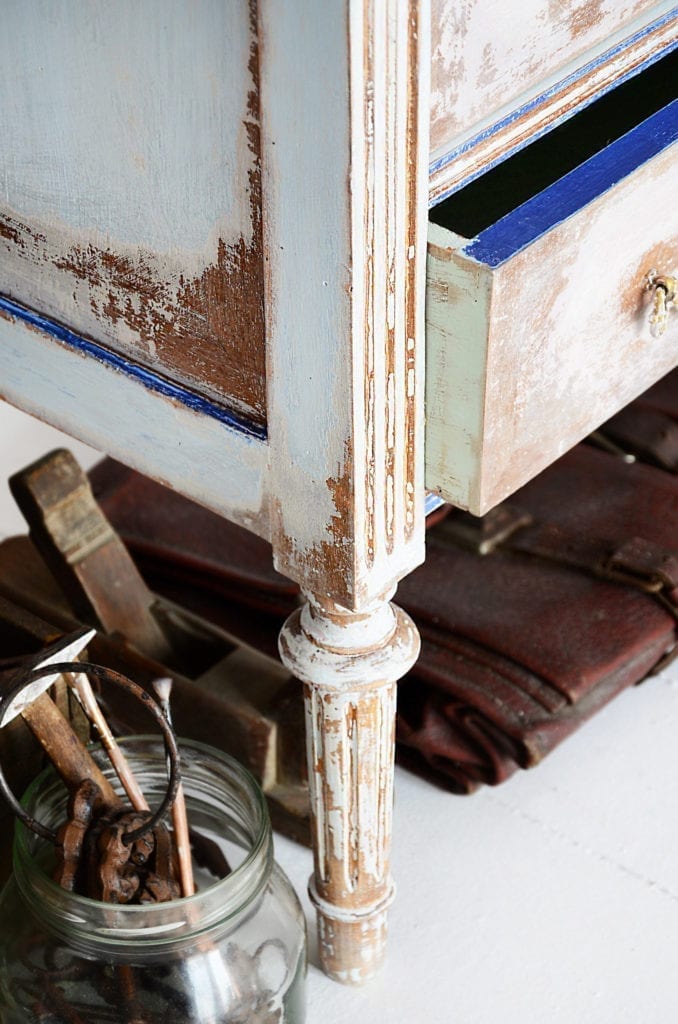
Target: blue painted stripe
[(150, 380), (573, 191), (433, 501), (543, 97)]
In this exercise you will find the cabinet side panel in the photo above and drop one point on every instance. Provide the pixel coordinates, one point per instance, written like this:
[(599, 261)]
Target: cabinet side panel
[(195, 454), (130, 206)]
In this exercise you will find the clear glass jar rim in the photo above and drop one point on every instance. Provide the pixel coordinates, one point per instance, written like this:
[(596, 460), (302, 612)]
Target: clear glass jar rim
[(162, 923)]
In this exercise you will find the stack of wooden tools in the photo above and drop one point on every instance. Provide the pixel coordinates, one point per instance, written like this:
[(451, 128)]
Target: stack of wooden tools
[(93, 856), (107, 849), (74, 570)]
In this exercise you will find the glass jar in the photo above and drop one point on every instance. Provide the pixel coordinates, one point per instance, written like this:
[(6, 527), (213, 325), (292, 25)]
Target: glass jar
[(235, 952)]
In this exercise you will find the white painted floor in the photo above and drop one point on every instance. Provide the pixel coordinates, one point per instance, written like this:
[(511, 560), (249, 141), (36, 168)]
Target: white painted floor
[(550, 900)]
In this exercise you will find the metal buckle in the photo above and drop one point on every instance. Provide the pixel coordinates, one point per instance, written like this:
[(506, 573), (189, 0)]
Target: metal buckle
[(483, 534)]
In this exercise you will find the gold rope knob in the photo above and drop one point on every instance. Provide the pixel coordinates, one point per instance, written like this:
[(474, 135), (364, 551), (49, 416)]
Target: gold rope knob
[(664, 289)]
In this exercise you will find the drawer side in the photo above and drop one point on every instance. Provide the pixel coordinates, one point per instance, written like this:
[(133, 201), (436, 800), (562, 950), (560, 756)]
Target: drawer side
[(568, 339), (458, 301)]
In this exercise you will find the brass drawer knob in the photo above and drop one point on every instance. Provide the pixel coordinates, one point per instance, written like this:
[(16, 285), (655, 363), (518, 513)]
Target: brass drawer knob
[(664, 289)]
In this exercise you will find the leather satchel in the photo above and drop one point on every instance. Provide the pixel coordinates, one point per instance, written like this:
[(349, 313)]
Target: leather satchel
[(647, 429), (573, 599), (532, 618)]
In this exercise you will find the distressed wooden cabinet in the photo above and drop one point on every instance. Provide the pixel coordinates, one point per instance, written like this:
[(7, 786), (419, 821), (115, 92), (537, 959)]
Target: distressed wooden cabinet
[(213, 265)]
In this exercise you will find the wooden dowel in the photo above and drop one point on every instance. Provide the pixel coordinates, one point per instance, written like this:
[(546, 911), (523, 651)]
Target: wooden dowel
[(183, 844), (82, 687), (163, 689)]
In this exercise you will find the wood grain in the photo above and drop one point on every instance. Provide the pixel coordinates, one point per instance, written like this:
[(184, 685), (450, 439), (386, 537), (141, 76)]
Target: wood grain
[(508, 129), (349, 662), (344, 305), (64, 749), (85, 554), (222, 468), (345, 289)]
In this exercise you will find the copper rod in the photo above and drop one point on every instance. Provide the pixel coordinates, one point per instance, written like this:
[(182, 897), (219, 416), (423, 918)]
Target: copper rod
[(83, 688)]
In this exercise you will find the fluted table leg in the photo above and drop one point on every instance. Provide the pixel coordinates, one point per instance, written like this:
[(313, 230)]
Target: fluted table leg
[(349, 663)]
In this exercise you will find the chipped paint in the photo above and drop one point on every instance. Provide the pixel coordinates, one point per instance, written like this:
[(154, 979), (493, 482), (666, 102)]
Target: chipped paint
[(162, 262), (153, 382), (559, 338), (361, 337), (487, 55), (349, 663), (204, 331), (197, 455), (507, 128)]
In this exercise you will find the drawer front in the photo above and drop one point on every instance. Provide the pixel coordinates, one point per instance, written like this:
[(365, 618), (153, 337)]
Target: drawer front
[(536, 334), (486, 54)]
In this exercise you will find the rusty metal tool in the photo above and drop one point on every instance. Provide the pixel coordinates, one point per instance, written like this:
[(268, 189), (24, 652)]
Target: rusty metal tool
[(63, 747), (84, 803), (163, 689)]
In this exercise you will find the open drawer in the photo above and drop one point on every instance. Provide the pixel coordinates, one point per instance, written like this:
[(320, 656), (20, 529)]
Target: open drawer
[(539, 304)]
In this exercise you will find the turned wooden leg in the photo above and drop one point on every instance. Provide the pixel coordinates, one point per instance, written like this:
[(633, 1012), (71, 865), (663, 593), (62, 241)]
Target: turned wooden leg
[(349, 663)]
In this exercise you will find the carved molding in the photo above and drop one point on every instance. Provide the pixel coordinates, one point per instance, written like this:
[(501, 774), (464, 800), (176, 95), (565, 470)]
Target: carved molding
[(347, 293), (349, 663), (491, 143)]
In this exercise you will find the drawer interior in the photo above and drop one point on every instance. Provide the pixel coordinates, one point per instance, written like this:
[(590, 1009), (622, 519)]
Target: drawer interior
[(538, 323), (502, 189)]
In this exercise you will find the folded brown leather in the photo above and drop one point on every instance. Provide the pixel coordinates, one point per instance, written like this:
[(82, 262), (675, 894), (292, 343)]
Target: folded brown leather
[(523, 644), (648, 427), (574, 600)]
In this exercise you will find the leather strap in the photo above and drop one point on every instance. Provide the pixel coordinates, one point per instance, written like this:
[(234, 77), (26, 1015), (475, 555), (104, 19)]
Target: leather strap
[(637, 562), (649, 434)]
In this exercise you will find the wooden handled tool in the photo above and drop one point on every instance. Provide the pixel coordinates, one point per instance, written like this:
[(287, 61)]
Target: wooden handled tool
[(85, 553), (163, 689), (83, 689)]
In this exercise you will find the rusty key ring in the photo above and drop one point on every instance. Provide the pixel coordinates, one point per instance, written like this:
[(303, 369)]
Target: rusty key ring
[(105, 675)]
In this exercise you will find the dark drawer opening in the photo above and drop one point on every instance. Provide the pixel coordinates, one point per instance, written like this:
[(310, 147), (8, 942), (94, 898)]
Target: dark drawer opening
[(511, 183)]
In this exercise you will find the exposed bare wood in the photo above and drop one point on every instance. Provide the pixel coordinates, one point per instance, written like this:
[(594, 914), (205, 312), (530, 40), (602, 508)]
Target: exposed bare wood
[(201, 457), (85, 553), (182, 841), (345, 313), (303, 219), (64, 749), (488, 59), (525, 359), (161, 261), (557, 105), (82, 686), (349, 662), (21, 634), (245, 703)]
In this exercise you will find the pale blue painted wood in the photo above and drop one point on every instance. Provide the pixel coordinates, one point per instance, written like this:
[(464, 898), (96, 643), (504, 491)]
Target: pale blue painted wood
[(543, 98), (150, 380)]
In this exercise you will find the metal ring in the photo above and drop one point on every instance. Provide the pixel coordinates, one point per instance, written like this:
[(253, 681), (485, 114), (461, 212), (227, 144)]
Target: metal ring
[(105, 675)]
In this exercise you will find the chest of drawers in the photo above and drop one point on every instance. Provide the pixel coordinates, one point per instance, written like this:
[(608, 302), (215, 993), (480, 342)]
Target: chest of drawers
[(213, 265)]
